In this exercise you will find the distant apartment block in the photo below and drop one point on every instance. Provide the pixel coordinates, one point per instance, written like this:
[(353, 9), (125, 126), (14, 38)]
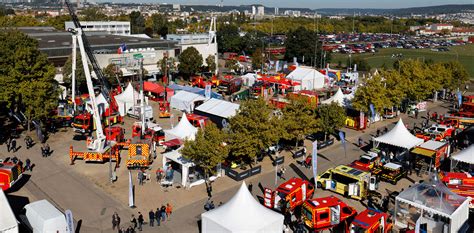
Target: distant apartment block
[(112, 27), (277, 11), (260, 10), (441, 26), (293, 13)]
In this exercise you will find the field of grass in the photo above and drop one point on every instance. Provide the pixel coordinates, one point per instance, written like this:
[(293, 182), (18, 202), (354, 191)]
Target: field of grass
[(464, 54)]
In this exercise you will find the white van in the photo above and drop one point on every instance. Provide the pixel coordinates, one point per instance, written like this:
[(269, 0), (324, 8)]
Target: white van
[(43, 217), (8, 222)]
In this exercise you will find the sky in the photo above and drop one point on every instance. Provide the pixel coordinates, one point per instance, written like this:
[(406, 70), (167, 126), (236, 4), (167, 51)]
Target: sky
[(313, 4)]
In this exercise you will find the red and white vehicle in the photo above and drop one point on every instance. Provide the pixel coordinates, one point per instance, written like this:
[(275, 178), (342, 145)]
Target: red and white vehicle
[(365, 162), (326, 213), (10, 173), (461, 183), (436, 132), (292, 193), (371, 221)]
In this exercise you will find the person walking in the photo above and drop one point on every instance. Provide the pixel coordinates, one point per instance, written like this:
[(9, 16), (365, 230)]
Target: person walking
[(140, 177), (169, 210), (158, 216), (141, 220), (151, 216), (416, 113), (134, 221), (115, 221), (163, 212), (13, 145), (27, 165), (28, 142), (209, 190)]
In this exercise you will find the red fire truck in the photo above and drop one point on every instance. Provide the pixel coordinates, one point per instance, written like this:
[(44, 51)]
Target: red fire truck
[(365, 162), (436, 132), (292, 193), (371, 221), (461, 183), (10, 173), (326, 213)]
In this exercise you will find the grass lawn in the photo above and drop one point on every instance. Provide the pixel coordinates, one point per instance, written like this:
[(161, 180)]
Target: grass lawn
[(464, 53)]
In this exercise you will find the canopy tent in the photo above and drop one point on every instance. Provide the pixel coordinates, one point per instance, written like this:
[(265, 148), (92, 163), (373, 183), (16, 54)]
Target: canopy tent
[(185, 164), (242, 213), (429, 199), (127, 99), (8, 221), (308, 78), (184, 100), (465, 156), (194, 90), (399, 136), (218, 111), (339, 98), (101, 102), (183, 130), (249, 79)]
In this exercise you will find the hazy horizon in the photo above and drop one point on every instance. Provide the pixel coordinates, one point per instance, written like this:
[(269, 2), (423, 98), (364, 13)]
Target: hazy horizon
[(313, 4)]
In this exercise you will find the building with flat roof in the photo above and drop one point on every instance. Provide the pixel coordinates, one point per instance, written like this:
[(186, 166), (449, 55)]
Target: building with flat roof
[(198, 41), (111, 27)]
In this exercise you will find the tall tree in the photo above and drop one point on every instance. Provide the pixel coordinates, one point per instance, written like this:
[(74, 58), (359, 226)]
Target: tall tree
[(253, 129), (301, 43), (160, 24), (299, 119), (211, 63), (331, 117), (257, 59), (372, 91), (228, 38), (208, 149), (113, 73), (137, 22), (458, 77), (190, 61), (93, 14), (26, 76)]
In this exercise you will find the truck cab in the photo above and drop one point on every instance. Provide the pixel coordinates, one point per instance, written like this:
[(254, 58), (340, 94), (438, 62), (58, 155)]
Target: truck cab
[(371, 221), (230, 86), (10, 173), (288, 195), (365, 162), (345, 180), (326, 213)]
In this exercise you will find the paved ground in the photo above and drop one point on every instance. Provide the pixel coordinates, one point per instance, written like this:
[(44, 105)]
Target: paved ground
[(85, 188)]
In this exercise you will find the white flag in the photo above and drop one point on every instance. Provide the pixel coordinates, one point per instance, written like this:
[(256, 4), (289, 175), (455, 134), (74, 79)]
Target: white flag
[(130, 190)]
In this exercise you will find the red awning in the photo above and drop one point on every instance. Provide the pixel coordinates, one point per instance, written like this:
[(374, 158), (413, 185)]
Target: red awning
[(154, 87), (172, 142)]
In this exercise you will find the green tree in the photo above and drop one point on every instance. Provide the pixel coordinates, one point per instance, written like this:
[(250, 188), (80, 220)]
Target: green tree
[(371, 91), (415, 74), (208, 149), (232, 64), (299, 119), (211, 63), (301, 43), (81, 84), (257, 59), (362, 64), (331, 117), (113, 74), (26, 76), (93, 14), (395, 86), (458, 77), (190, 61), (160, 24), (137, 22), (228, 38), (253, 129), (58, 21)]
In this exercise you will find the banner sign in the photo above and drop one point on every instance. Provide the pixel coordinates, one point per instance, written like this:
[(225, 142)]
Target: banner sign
[(314, 162), (130, 190), (361, 120), (70, 221), (372, 111), (207, 92)]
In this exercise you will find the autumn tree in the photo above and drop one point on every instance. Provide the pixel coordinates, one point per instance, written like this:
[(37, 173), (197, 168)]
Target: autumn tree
[(211, 63), (190, 61), (208, 149), (160, 24), (232, 64), (257, 59), (137, 22), (458, 77), (26, 76), (228, 38), (301, 43), (253, 129), (331, 117), (299, 119), (371, 91), (113, 74)]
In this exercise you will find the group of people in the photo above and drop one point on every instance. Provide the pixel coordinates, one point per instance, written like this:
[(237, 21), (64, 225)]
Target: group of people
[(136, 223)]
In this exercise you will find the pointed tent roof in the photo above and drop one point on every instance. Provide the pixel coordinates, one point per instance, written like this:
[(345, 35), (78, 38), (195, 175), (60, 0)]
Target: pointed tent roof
[(242, 213), (100, 101), (399, 136), (339, 98), (465, 156), (183, 130), (431, 196), (128, 95)]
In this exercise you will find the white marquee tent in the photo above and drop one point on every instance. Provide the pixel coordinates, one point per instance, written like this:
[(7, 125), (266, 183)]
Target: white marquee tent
[(465, 156), (249, 79), (127, 99), (242, 214), (185, 164), (8, 223), (339, 98), (399, 136), (424, 201), (184, 100), (308, 77), (183, 130), (221, 108)]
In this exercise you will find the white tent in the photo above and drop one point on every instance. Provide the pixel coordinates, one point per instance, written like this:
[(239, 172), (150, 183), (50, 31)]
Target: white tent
[(338, 98), (183, 130), (433, 204), (101, 102), (220, 108), (308, 78), (465, 156), (249, 79), (127, 99), (399, 136), (185, 164), (184, 100), (241, 214), (8, 222)]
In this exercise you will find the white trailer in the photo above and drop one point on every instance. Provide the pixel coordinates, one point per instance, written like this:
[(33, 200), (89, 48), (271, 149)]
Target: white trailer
[(43, 217)]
